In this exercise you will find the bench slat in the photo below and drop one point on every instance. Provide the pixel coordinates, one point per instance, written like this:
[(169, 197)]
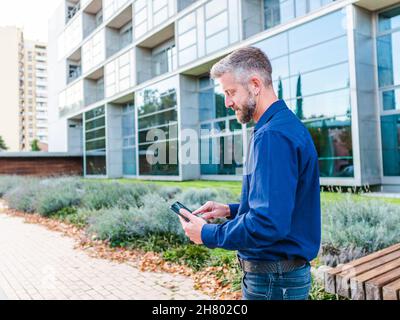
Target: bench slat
[(391, 291), (330, 275), (343, 279), (374, 286), (358, 290)]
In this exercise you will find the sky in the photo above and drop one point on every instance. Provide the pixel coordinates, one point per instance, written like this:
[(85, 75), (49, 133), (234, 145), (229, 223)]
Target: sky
[(30, 15)]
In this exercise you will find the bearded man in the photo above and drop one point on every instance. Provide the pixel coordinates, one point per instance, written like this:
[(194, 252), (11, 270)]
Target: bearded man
[(276, 228)]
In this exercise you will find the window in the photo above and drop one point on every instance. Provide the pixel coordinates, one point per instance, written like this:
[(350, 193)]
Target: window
[(390, 126), (157, 114), (129, 140), (95, 142), (163, 61), (221, 142), (388, 48), (280, 11), (300, 71), (182, 4)]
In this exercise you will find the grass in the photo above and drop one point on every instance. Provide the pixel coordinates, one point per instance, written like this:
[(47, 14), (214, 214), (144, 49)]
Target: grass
[(236, 188)]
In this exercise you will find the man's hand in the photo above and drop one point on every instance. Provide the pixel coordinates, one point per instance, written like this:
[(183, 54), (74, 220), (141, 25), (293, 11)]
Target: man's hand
[(213, 210), (192, 228)]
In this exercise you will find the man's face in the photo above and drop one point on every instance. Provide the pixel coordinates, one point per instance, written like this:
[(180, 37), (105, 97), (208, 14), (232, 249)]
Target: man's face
[(238, 98)]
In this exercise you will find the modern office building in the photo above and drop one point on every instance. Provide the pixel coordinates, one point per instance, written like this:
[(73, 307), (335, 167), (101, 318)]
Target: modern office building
[(120, 68), (23, 87)]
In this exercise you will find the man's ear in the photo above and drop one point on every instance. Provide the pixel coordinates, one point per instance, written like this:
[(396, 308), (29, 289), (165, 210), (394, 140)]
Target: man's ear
[(256, 84)]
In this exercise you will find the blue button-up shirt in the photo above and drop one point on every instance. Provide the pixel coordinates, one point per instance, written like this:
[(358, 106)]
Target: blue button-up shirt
[(279, 215)]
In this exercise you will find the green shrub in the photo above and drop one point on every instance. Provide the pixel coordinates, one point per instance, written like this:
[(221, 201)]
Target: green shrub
[(157, 242), (194, 198), (22, 197), (127, 225), (351, 229), (9, 182), (80, 217), (114, 195), (168, 193), (55, 195), (191, 255)]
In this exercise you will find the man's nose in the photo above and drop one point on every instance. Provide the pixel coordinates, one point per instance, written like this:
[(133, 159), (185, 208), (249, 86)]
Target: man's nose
[(228, 102)]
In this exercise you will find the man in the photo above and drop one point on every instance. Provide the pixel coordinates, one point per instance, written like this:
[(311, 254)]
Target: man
[(276, 228)]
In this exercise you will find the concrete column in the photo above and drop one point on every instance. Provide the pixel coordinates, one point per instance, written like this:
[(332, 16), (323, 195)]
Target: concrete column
[(189, 119), (114, 141)]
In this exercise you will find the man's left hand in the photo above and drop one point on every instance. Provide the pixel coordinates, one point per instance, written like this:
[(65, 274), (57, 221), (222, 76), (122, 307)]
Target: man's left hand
[(192, 228)]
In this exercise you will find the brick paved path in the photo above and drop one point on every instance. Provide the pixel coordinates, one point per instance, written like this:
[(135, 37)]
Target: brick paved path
[(36, 263)]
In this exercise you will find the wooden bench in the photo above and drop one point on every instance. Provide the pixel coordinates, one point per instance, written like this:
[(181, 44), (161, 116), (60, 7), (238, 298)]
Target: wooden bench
[(373, 277)]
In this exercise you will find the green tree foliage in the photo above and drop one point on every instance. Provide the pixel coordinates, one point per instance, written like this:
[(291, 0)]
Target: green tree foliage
[(3, 145), (35, 145)]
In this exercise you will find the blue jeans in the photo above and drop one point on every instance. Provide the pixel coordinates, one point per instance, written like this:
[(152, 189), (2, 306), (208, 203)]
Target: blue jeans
[(293, 285)]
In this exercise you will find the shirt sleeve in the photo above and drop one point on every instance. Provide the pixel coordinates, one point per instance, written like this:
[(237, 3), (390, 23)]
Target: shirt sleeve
[(234, 208), (272, 193)]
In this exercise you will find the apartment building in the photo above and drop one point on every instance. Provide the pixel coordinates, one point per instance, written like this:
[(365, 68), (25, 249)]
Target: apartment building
[(121, 68), (11, 86), (34, 118), (23, 87)]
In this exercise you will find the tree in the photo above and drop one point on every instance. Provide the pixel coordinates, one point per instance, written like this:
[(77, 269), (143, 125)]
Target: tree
[(3, 145), (35, 145), (280, 89), (299, 100)]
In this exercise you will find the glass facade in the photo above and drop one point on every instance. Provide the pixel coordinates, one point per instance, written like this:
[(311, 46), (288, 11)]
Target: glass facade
[(175, 43), (312, 75), (388, 47), (158, 129), (95, 142), (280, 11), (221, 135), (129, 140)]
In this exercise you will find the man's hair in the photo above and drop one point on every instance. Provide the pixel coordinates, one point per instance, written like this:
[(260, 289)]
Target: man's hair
[(245, 63)]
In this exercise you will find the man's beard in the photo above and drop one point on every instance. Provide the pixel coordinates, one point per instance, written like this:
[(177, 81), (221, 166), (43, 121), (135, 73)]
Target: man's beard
[(247, 110)]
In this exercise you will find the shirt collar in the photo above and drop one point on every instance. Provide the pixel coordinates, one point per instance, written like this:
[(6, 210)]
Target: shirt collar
[(270, 112)]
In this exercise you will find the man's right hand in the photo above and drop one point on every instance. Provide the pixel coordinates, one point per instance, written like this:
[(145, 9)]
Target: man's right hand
[(212, 210)]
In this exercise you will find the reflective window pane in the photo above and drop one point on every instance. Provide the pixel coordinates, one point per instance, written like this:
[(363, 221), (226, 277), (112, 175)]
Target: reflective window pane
[(389, 20), (157, 108), (390, 126), (129, 143), (281, 11), (222, 155), (274, 47), (159, 159), (389, 59), (212, 101), (323, 55), (332, 139), (332, 78), (95, 142), (317, 31), (391, 99)]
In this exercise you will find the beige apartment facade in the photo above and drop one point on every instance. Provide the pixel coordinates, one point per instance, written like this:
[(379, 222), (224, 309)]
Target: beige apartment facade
[(34, 116), (23, 89), (11, 86)]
